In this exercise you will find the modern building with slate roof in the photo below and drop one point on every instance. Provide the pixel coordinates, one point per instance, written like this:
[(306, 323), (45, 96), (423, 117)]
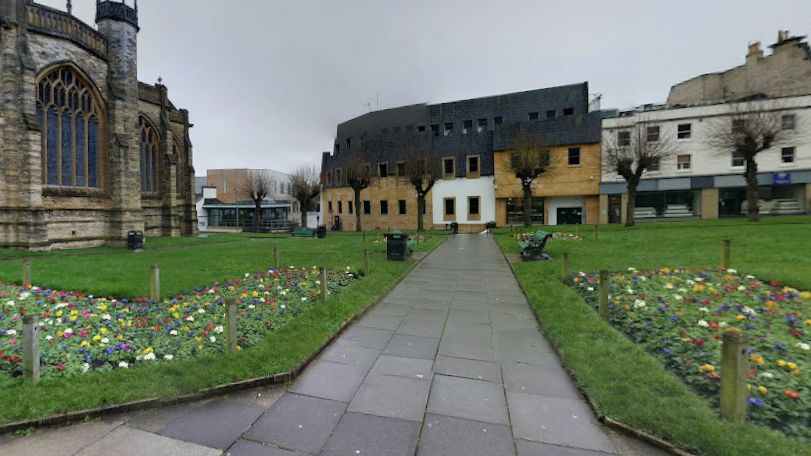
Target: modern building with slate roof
[(470, 140)]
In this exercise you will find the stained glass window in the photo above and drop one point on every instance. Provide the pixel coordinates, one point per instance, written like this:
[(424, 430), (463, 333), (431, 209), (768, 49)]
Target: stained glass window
[(69, 114), (149, 156)]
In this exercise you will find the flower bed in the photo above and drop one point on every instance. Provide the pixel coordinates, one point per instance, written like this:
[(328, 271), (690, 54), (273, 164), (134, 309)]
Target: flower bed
[(679, 316), (81, 333)]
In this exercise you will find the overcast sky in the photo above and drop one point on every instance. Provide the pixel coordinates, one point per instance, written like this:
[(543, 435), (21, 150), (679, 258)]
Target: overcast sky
[(267, 81)]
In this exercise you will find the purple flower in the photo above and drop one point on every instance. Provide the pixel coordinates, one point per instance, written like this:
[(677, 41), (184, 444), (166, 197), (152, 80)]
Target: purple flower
[(755, 402), (667, 351)]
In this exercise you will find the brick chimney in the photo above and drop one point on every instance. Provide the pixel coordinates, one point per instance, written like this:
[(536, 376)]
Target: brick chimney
[(755, 53)]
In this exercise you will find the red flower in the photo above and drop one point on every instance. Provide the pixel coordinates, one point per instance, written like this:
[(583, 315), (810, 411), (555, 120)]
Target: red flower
[(714, 325), (60, 367), (796, 333), (712, 376), (14, 359), (752, 373), (791, 394), (697, 342)]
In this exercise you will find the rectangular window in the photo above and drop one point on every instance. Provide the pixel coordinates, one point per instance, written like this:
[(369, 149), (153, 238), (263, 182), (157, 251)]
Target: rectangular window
[(533, 115), (350, 206), (448, 128), (340, 207), (787, 155), (684, 162), (367, 207), (473, 165), (550, 114), (329, 206), (383, 169), (738, 126), (653, 134), (467, 126), (737, 159), (473, 207), (421, 128), (435, 129), (568, 111), (498, 120), (787, 121), (384, 207), (402, 206), (401, 169), (448, 167), (337, 148), (654, 166), (623, 138), (338, 176), (482, 125), (450, 206), (348, 143), (684, 131), (574, 156)]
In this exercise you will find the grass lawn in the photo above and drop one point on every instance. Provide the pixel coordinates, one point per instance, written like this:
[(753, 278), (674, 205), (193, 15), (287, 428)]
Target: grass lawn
[(186, 264), (627, 383)]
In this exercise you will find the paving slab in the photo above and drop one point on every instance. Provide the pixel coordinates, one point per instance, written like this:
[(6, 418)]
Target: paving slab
[(351, 353), (558, 421), (395, 308), (359, 434), (466, 398), (368, 337), (547, 380), (61, 441), (328, 380), (298, 423), (153, 419), (527, 448), (380, 321), (457, 328), (414, 368), (468, 368), (466, 347), (448, 436), (249, 448), (126, 441), (427, 314), (216, 424), (412, 346), (417, 326), (469, 316), (395, 397)]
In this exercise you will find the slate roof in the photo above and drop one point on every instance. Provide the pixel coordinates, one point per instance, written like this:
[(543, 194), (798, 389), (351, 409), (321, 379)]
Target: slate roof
[(388, 134)]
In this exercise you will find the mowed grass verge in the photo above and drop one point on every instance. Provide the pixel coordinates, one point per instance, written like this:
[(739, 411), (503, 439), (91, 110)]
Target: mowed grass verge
[(628, 384), (184, 268)]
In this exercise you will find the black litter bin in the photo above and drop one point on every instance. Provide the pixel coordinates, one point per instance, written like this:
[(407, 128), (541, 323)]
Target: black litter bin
[(454, 228), (396, 246), (135, 240), (321, 231)]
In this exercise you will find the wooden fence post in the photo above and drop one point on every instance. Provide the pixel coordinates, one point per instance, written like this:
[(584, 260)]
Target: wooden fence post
[(323, 273), (604, 286), (31, 348), (155, 283), (564, 271), (366, 263), (276, 257), (231, 324), (733, 376), (725, 250), (27, 279)]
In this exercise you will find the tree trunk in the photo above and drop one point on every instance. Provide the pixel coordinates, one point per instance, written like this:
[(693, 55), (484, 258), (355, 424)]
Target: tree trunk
[(257, 214), (750, 174), (528, 205), (357, 211), (303, 208), (420, 210), (630, 208)]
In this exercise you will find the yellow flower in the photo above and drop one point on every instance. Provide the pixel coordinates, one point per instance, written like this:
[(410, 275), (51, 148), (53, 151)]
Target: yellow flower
[(103, 330), (199, 347), (148, 350), (791, 366), (805, 295), (119, 337), (59, 313), (103, 307), (198, 339), (255, 294), (84, 344), (129, 324), (707, 368), (781, 363), (740, 317), (239, 348), (74, 318), (74, 312), (762, 390), (808, 322), (757, 359), (96, 338), (795, 372)]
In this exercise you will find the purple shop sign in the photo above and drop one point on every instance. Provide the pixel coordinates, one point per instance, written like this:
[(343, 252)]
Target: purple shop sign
[(781, 179)]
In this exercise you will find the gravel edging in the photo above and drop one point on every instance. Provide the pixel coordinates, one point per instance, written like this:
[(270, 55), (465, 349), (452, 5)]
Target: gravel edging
[(205, 393)]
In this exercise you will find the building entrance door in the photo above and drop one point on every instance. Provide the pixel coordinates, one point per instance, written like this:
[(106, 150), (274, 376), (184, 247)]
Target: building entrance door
[(570, 215), (614, 209)]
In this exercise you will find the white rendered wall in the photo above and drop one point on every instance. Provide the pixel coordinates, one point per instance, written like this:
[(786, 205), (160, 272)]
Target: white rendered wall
[(461, 188), (554, 202), (707, 161)]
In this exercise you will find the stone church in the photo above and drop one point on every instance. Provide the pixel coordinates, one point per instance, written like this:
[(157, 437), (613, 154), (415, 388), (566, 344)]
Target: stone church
[(87, 152)]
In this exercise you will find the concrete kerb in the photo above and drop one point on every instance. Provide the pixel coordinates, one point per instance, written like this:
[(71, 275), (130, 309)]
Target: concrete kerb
[(610, 422), (205, 393)]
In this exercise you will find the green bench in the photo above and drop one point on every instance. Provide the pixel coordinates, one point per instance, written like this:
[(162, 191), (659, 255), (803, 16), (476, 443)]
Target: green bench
[(303, 232), (532, 248)]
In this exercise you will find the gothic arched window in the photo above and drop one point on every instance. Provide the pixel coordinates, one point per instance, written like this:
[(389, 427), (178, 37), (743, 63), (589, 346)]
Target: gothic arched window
[(71, 118), (150, 147)]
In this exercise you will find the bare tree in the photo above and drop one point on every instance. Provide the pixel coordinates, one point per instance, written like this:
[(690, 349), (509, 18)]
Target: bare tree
[(358, 177), (421, 169), (306, 185), (631, 151), (529, 159), (749, 129), (262, 186)]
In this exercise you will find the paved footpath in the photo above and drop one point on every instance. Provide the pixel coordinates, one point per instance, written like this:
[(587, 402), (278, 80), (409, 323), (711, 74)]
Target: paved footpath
[(452, 362)]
